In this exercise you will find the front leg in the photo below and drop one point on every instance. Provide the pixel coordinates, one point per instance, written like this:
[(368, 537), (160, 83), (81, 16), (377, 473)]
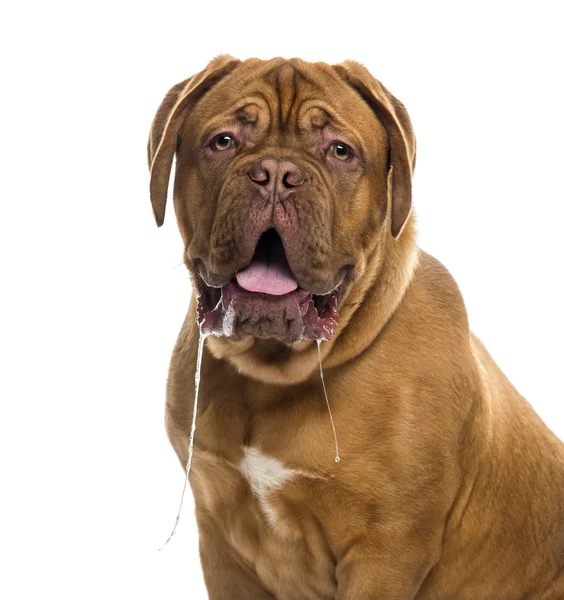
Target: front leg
[(384, 569), (227, 577)]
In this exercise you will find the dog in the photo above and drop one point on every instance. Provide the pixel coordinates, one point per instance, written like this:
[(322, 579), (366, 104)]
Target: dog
[(292, 194)]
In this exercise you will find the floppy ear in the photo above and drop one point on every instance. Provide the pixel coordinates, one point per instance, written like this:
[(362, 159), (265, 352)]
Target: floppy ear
[(395, 120), (167, 122)]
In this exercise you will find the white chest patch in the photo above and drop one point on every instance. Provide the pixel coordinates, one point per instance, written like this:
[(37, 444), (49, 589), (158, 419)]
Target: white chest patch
[(264, 474)]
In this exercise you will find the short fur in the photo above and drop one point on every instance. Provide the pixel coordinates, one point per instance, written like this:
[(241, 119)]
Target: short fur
[(450, 486)]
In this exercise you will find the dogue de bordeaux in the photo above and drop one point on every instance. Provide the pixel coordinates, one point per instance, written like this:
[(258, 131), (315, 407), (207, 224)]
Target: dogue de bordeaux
[(292, 194)]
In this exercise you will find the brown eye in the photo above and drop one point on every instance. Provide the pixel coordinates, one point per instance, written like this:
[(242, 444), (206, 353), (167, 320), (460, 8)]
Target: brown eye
[(223, 142), (341, 151)]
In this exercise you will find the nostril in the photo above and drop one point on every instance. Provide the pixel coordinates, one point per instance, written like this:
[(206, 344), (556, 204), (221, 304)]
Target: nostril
[(259, 175), (293, 179)]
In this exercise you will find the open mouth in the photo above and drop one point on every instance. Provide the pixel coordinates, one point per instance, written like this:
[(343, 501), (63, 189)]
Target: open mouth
[(264, 300)]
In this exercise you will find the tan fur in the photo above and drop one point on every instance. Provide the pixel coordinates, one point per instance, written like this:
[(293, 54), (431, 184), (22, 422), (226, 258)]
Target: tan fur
[(450, 486)]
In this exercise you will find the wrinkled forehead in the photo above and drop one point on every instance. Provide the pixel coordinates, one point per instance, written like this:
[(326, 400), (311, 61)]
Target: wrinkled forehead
[(285, 95)]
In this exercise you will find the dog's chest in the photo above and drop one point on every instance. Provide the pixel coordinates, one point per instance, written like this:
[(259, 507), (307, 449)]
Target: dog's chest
[(266, 475), (266, 512)]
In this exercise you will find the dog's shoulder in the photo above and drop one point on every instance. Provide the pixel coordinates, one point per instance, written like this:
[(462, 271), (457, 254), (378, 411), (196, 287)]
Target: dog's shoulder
[(432, 315)]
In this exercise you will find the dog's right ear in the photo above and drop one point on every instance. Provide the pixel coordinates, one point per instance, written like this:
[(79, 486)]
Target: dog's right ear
[(167, 123)]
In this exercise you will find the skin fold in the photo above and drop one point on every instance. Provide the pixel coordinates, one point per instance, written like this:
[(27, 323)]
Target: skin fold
[(450, 487)]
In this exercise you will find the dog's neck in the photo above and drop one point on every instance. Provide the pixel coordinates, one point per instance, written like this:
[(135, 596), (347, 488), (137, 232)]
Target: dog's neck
[(369, 305)]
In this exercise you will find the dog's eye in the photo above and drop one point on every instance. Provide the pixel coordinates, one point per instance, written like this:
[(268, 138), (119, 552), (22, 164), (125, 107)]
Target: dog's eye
[(223, 142), (341, 151)]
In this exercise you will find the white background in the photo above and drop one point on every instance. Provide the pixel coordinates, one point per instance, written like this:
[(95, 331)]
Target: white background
[(93, 294)]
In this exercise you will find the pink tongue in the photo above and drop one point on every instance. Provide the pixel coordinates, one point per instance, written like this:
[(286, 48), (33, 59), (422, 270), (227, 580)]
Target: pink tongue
[(268, 277)]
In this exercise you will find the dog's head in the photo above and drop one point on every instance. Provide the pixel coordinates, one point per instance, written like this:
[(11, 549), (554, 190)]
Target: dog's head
[(291, 178)]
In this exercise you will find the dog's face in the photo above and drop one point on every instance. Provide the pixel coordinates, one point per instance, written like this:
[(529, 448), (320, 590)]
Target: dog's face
[(289, 176)]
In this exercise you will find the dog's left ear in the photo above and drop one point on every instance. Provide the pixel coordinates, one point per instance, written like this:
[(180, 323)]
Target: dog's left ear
[(395, 120), (167, 122)]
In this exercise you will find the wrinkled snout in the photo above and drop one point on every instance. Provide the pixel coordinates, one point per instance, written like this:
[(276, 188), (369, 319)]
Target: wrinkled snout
[(277, 177)]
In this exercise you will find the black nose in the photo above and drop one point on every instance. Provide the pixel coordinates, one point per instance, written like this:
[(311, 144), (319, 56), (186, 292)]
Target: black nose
[(277, 176)]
